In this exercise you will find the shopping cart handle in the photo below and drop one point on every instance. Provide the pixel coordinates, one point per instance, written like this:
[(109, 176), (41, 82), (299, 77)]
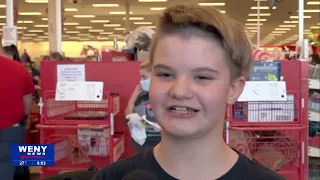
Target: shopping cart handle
[(81, 126)]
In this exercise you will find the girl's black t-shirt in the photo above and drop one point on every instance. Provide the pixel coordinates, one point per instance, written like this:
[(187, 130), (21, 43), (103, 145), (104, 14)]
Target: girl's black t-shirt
[(244, 169)]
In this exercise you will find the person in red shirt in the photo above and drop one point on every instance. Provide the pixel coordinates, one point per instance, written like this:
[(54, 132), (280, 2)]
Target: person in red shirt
[(15, 103)]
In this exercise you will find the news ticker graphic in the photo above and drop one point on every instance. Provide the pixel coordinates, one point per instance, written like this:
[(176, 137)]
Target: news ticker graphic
[(32, 155)]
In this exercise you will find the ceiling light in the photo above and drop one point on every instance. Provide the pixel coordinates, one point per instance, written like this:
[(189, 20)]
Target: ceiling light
[(99, 21), (253, 31), (212, 4), (105, 5), (250, 20), (115, 35), (37, 1), (253, 24), (134, 18), (278, 32), (261, 14), (26, 38), (70, 9), (84, 39), (112, 25), (70, 24), (311, 10), (102, 38), (315, 27), (289, 25), (84, 34), (2, 17), (119, 12), (43, 37), (313, 3), (263, 7), (22, 28), (106, 33), (251, 27), (3, 6), (2, 24), (152, 0), (25, 22), (96, 30), (30, 13), (72, 32), (157, 8), (35, 31), (152, 27), (84, 16), (282, 29), (41, 26), (83, 27), (142, 23), (44, 19), (30, 34), (291, 22), (120, 29), (297, 17), (223, 12)]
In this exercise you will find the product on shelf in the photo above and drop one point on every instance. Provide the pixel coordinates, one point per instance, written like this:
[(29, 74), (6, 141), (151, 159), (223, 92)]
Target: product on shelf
[(77, 154), (314, 71), (265, 71)]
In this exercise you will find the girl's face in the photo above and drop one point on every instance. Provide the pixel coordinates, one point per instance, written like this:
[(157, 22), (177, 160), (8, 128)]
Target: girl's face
[(144, 75), (191, 86)]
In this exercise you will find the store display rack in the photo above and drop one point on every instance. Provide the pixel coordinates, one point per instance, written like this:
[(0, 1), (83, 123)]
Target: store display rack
[(275, 133)]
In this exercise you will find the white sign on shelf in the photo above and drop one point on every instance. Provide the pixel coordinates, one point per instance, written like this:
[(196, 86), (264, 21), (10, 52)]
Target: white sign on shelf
[(79, 91), (71, 72), (10, 35), (264, 91)]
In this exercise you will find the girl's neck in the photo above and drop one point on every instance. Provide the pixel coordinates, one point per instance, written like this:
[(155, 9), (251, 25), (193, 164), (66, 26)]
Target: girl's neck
[(195, 158)]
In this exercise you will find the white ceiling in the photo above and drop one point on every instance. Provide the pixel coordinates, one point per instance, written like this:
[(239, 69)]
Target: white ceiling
[(238, 9)]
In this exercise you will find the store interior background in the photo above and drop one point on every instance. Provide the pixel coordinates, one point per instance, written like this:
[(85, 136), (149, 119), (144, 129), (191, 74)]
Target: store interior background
[(98, 22)]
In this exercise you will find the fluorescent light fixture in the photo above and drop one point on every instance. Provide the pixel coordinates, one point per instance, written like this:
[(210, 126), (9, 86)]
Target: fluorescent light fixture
[(35, 31), (142, 23), (119, 12), (291, 22), (251, 20), (253, 24), (106, 33), (282, 29), (83, 27), (30, 34), (112, 25), (3, 6), (44, 19), (152, 27), (2, 17), (253, 31), (315, 27), (311, 10), (25, 22), (70, 24), (30, 13), (99, 21), (261, 14), (105, 5), (313, 3), (152, 0), (134, 18), (25, 38), (41, 25), (278, 32), (96, 30), (72, 32), (84, 39), (263, 7), (2, 24), (297, 17), (157, 8), (288, 26), (37, 1), (120, 29), (251, 27), (212, 4), (46, 33), (84, 16), (102, 38), (70, 9), (22, 28), (44, 37), (223, 12), (84, 34), (115, 35)]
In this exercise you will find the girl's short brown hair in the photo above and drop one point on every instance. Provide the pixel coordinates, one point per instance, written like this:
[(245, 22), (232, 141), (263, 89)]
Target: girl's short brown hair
[(207, 22)]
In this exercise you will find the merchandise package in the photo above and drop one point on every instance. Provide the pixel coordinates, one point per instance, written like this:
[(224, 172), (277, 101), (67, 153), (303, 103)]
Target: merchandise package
[(265, 71), (77, 154), (94, 142), (137, 128)]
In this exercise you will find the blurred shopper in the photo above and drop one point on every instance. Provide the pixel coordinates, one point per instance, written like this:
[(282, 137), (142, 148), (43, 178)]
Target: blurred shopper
[(56, 56), (139, 103), (314, 59), (15, 102)]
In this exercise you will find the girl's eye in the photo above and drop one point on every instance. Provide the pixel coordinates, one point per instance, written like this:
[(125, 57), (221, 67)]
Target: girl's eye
[(203, 78), (165, 75)]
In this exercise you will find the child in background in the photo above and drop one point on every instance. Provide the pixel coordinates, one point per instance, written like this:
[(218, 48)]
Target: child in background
[(139, 103)]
